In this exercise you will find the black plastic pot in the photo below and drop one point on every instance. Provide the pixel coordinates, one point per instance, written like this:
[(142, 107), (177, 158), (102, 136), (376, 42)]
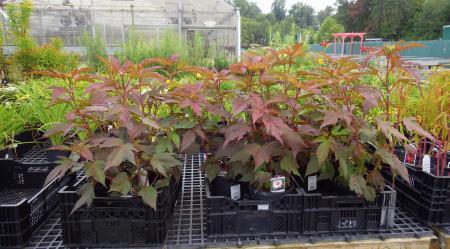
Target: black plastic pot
[(234, 218), (221, 186), (55, 155), (7, 154), (256, 194)]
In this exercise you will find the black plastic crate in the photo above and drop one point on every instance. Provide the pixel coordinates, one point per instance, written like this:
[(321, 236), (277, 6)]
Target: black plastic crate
[(187, 229), (347, 213), (22, 210), (28, 171), (427, 196), (116, 222), (227, 217)]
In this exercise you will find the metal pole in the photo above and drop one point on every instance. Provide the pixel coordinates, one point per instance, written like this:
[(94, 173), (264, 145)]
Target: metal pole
[(5, 37), (158, 38), (123, 27), (92, 23), (238, 34), (104, 34), (132, 15), (43, 39), (180, 16)]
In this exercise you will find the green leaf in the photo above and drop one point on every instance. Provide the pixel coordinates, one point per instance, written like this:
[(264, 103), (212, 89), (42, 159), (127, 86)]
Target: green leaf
[(313, 166), (262, 177), (370, 193), (149, 195), (342, 157), (240, 156), (212, 169), (163, 145), (96, 170), (121, 183), (289, 164), (368, 134), (184, 124), (358, 184), (327, 171), (175, 139), (337, 131), (161, 162), (87, 196), (161, 183), (322, 151), (393, 161), (119, 155)]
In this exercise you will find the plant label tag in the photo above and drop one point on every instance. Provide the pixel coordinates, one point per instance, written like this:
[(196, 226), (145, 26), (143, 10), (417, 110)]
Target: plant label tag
[(6, 156), (235, 192), (348, 223), (277, 184), (222, 173), (312, 182), (426, 164), (410, 158), (263, 207)]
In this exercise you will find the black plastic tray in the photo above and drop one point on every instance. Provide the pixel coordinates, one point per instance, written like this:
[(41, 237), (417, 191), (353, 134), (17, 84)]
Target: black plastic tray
[(188, 225), (116, 222), (427, 196), (29, 171), (25, 203)]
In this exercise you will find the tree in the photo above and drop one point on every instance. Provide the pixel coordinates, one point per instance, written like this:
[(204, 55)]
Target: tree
[(395, 19), (254, 31), (303, 15), (435, 14), (389, 17), (321, 15), (248, 9), (279, 9), (327, 28)]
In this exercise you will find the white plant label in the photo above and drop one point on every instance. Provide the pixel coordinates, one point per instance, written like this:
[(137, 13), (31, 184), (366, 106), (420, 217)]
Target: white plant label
[(278, 184), (426, 164), (235, 192), (312, 182), (222, 173), (263, 207)]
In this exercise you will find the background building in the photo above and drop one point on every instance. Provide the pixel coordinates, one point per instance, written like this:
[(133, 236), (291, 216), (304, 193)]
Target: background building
[(216, 20)]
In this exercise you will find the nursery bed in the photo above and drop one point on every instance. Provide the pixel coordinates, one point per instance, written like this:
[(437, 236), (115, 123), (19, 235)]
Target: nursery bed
[(187, 229)]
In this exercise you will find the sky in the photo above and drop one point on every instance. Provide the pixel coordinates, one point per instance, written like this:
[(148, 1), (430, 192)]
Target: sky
[(266, 5)]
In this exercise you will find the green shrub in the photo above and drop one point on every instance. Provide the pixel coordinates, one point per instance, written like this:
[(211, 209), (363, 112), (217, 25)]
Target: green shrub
[(28, 56), (95, 46), (196, 51), (49, 56)]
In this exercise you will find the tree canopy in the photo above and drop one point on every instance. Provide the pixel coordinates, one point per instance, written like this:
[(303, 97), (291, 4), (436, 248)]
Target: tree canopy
[(389, 19)]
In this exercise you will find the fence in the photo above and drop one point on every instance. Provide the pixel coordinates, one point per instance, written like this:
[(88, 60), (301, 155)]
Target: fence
[(114, 25), (432, 48)]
